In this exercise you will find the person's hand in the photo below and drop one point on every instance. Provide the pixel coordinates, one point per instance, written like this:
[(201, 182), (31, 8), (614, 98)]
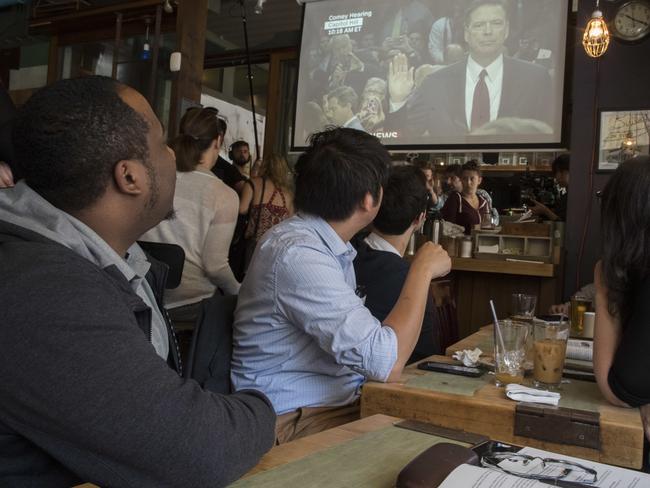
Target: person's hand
[(432, 191), (6, 176), (433, 257), (560, 309), (400, 79)]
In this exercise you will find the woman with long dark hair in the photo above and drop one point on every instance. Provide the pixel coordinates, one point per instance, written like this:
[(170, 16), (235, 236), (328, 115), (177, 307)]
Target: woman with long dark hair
[(622, 279)]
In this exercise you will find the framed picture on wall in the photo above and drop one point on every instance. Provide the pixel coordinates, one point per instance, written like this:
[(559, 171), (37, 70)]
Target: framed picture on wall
[(622, 134)]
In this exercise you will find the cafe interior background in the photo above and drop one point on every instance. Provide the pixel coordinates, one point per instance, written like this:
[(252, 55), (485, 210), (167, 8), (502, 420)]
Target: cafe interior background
[(45, 40)]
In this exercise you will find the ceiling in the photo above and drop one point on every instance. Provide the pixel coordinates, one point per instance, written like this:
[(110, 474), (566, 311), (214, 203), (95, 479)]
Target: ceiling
[(277, 26)]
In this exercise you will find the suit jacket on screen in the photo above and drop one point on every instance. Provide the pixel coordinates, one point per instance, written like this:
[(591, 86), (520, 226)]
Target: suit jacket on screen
[(438, 105)]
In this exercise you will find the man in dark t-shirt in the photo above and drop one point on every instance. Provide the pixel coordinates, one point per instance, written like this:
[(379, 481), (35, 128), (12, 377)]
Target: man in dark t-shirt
[(379, 266), (225, 171)]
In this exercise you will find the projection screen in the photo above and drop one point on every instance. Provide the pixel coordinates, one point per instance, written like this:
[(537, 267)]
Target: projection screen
[(439, 74)]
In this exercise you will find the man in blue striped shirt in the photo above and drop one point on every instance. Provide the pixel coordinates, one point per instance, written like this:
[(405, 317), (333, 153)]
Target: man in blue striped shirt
[(301, 333)]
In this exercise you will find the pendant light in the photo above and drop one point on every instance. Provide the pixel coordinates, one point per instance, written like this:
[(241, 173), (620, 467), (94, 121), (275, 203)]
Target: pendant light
[(595, 40)]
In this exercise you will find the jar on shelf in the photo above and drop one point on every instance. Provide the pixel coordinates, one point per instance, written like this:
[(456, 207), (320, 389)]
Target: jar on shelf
[(466, 247)]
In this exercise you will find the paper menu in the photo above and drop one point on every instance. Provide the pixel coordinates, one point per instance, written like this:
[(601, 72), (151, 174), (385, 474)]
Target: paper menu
[(579, 349), (467, 476), (608, 476)]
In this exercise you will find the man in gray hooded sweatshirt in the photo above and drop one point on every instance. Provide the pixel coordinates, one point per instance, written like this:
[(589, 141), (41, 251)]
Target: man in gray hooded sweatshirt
[(90, 387)]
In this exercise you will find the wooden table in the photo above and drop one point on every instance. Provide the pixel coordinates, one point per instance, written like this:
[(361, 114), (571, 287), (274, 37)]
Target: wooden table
[(487, 411), (483, 339), (301, 448)]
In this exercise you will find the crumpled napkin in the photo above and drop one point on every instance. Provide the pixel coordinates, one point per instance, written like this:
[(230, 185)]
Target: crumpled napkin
[(467, 357), (520, 393)]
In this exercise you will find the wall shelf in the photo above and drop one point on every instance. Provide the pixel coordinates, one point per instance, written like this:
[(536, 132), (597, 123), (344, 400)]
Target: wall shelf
[(487, 168)]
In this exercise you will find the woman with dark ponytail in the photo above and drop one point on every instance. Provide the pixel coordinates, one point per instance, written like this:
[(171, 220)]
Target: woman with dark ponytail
[(206, 213), (622, 279)]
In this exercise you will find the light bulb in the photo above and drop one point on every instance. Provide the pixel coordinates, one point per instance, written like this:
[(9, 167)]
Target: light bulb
[(595, 40)]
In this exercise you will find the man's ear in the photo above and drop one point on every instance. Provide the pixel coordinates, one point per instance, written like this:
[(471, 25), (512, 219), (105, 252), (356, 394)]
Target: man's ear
[(368, 203), (130, 177)]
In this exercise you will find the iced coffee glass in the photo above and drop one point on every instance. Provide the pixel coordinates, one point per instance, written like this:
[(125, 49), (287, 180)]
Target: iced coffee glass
[(509, 356), (550, 350)]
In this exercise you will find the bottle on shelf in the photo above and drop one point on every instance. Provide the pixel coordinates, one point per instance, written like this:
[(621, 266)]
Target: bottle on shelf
[(432, 228)]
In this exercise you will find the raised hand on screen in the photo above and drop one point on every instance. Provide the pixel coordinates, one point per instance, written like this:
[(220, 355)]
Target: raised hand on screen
[(400, 79)]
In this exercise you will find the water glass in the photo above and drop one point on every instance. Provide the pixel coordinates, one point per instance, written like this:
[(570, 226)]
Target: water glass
[(523, 307), (510, 351)]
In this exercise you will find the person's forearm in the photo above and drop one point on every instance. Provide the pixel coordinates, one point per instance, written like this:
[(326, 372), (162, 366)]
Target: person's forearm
[(607, 336)]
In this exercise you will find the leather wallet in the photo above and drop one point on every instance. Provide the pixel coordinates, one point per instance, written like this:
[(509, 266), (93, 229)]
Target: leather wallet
[(430, 468)]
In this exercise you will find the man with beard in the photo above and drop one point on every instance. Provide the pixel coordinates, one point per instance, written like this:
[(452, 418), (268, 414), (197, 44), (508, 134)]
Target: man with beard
[(240, 155)]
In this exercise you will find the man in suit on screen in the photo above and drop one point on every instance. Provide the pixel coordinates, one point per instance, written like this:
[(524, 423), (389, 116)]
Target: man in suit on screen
[(463, 97)]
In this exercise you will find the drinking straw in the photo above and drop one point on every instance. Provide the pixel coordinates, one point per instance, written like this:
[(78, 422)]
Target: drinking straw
[(496, 326)]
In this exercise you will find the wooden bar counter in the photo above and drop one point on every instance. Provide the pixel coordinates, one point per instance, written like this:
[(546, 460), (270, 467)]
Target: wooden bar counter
[(476, 281), (476, 405)]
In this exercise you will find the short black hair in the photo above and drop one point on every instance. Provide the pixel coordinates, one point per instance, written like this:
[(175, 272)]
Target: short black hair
[(561, 163), (69, 136), (238, 144), (405, 198), (471, 165), (340, 166), (454, 170)]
